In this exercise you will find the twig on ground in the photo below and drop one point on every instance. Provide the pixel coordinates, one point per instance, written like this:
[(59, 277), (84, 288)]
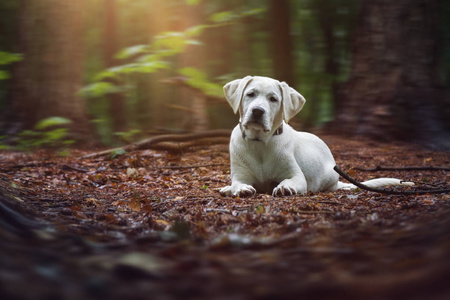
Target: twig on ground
[(218, 210), (384, 191), (69, 167), (192, 166), (314, 212), (158, 142), (412, 168)]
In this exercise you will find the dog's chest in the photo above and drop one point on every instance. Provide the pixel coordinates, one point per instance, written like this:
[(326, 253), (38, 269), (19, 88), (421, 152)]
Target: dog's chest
[(267, 165)]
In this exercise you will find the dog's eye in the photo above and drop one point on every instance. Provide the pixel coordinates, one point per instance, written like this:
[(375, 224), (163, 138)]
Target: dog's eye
[(273, 99), (251, 94)]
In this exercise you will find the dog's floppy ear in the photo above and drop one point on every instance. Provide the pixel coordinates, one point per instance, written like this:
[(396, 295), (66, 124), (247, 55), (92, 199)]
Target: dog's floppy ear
[(292, 102), (233, 91)]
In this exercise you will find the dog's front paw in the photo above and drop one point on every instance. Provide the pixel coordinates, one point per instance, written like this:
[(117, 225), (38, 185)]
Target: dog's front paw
[(244, 190), (287, 188), (241, 190), (225, 191)]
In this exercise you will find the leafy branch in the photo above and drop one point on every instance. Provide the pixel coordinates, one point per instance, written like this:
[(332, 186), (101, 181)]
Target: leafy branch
[(48, 132), (153, 57)]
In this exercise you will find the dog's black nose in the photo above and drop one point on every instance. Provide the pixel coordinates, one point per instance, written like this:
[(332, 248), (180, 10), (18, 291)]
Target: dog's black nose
[(257, 112)]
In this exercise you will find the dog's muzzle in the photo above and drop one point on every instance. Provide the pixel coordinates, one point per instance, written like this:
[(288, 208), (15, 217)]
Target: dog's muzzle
[(277, 132)]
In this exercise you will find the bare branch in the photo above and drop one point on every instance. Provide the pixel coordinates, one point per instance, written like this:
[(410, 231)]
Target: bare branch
[(158, 142), (412, 168), (384, 191)]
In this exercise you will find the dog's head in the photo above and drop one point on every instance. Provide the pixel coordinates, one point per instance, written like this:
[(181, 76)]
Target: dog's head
[(263, 103)]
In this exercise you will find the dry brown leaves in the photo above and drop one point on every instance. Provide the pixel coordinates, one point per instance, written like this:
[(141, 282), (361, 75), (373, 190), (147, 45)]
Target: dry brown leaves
[(166, 213)]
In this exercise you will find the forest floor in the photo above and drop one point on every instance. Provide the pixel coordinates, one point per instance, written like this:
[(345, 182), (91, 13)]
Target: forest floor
[(152, 225)]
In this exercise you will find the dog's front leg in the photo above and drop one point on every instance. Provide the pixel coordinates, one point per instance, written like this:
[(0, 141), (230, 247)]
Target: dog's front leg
[(240, 183), (291, 186)]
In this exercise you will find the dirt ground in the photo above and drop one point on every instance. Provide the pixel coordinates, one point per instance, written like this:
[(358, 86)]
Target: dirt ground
[(151, 225)]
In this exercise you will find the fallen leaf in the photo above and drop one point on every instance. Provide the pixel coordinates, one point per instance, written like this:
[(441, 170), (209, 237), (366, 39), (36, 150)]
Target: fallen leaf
[(132, 173), (260, 209)]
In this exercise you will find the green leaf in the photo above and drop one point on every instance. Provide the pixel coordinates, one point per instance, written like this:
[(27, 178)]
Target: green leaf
[(117, 152), (4, 75), (194, 42), (222, 17), (56, 134), (131, 51), (260, 209), (193, 73), (52, 121), (65, 152), (28, 133), (7, 58), (99, 89), (69, 142), (199, 80), (254, 11), (175, 41), (197, 30), (193, 2), (151, 67), (204, 187)]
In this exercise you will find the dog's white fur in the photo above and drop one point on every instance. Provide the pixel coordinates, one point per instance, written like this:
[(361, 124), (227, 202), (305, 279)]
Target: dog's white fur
[(267, 155)]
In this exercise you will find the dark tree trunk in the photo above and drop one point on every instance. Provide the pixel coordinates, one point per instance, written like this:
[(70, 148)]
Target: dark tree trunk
[(327, 19), (282, 50), (394, 89), (46, 82), (110, 48)]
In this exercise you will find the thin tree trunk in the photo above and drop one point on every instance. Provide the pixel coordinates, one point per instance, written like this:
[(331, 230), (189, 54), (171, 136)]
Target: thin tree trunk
[(46, 82), (193, 57), (117, 105), (282, 49)]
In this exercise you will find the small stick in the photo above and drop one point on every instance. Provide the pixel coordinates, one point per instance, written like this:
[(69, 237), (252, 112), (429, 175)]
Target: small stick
[(412, 168), (154, 141), (384, 191), (192, 166)]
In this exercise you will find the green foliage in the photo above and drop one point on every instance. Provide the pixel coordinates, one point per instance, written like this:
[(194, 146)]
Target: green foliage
[(117, 153), (5, 59), (199, 80), (44, 134), (193, 2), (129, 136), (52, 121), (99, 89), (323, 32), (154, 57), (260, 209), (4, 146), (140, 67), (230, 16)]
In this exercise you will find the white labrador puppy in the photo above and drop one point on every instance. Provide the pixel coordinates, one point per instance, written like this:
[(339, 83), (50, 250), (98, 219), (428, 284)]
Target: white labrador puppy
[(267, 155)]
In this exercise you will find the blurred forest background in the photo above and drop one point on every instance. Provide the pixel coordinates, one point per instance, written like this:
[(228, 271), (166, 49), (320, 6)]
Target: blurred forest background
[(118, 70)]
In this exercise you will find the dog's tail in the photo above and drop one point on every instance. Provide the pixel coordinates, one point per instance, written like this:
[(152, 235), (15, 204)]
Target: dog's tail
[(375, 183)]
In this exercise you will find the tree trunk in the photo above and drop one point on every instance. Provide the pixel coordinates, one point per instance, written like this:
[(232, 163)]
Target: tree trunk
[(193, 57), (117, 105), (46, 82), (394, 89), (282, 53)]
